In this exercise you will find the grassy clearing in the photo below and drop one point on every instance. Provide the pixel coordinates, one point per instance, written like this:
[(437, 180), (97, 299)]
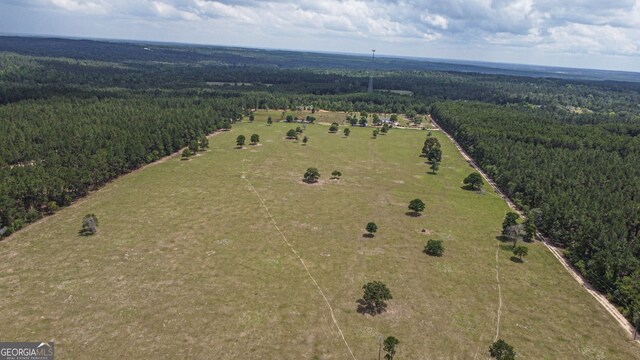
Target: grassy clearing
[(187, 263)]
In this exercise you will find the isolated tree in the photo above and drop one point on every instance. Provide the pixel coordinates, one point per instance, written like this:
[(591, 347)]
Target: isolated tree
[(336, 174), (515, 233), (240, 140), (474, 181), (429, 144), (251, 117), (435, 165), (89, 225), (333, 128), (520, 251), (305, 140), (385, 129), (311, 119), (417, 206), (255, 138), (371, 228), (510, 219), (375, 295), (389, 347), (203, 143), (269, 120), (529, 228), (346, 132), (311, 175), (299, 130), (353, 121), (289, 118), (434, 154), (186, 153), (434, 248), (292, 134), (502, 351), (193, 146), (375, 133)]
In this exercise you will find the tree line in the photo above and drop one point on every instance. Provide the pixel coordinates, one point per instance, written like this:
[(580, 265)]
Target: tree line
[(580, 183)]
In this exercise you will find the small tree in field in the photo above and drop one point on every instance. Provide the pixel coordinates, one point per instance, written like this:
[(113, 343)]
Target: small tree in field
[(435, 154), (186, 153), (371, 228), (240, 140), (375, 295), (311, 175), (336, 174), (384, 129), (255, 139), (269, 120), (474, 181), (434, 248), (251, 117), (520, 251), (299, 130), (346, 132), (193, 146), (89, 225), (203, 142), (502, 351), (435, 165), (292, 134), (305, 140), (375, 133), (333, 128), (510, 219), (389, 347), (417, 206)]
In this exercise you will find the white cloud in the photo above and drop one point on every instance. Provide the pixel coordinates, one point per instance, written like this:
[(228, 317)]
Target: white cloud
[(551, 26)]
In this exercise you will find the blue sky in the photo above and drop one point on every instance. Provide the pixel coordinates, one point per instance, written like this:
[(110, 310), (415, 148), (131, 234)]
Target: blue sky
[(572, 33)]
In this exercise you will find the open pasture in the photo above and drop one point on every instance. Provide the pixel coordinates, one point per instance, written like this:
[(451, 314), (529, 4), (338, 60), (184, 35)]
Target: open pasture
[(202, 259)]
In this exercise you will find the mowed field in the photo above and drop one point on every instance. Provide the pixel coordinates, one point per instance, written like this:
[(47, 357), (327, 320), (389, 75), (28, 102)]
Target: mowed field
[(187, 261)]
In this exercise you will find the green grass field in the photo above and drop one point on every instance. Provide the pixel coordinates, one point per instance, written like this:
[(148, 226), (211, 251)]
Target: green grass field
[(188, 263)]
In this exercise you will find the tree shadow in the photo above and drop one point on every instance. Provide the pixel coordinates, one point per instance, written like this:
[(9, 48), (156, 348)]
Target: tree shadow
[(365, 308), (516, 259), (368, 236), (86, 232), (414, 214), (503, 238), (469, 188), (431, 173), (309, 181)]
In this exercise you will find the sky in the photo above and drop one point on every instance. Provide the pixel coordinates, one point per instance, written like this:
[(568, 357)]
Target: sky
[(599, 34)]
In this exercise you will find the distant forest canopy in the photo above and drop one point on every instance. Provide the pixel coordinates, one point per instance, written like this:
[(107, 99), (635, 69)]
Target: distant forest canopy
[(75, 114)]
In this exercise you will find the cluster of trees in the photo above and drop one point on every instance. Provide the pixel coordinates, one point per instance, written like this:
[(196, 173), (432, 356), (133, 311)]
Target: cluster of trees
[(59, 149), (579, 184)]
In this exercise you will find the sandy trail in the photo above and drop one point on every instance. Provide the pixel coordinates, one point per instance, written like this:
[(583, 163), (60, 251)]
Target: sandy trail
[(555, 250)]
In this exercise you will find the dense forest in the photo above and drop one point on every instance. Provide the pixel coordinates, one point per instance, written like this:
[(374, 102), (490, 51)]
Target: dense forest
[(75, 114), (579, 180)]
